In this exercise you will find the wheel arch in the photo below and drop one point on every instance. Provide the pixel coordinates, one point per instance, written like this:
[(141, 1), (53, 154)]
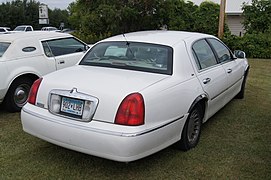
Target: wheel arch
[(31, 76), (202, 100)]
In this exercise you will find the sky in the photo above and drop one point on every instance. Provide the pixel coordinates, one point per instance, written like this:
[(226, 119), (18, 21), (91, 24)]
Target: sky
[(232, 6), (52, 4)]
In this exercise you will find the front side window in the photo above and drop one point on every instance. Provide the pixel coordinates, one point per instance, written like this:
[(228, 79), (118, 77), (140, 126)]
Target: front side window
[(19, 28), (3, 47), (221, 50), (64, 46), (203, 54), (131, 55)]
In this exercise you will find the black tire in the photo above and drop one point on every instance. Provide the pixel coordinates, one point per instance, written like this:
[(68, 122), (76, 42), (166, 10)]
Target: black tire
[(17, 94), (241, 94), (192, 129)]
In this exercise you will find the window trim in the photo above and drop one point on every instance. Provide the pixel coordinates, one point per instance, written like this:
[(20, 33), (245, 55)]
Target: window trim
[(203, 69), (214, 51), (48, 40), (169, 71)]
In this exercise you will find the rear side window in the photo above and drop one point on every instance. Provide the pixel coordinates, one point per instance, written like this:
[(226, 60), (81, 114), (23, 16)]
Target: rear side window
[(3, 47), (131, 55), (65, 46), (203, 54)]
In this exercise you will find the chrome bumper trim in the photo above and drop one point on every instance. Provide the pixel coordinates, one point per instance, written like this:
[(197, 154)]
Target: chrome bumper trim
[(70, 124)]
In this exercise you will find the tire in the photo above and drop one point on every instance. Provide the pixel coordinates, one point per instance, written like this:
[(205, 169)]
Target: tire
[(17, 94), (241, 94), (192, 129)]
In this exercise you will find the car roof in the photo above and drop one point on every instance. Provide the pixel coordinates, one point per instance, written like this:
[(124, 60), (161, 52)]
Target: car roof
[(23, 25), (159, 37), (10, 37), (48, 27)]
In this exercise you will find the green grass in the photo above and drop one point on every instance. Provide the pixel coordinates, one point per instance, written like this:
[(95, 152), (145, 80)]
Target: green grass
[(235, 144)]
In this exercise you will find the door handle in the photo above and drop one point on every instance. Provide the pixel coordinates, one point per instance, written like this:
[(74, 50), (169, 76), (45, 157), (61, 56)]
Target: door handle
[(229, 70), (61, 62), (207, 80)]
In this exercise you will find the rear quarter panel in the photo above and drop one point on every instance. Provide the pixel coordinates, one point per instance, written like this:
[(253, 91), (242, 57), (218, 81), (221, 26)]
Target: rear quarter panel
[(3, 83), (171, 98)]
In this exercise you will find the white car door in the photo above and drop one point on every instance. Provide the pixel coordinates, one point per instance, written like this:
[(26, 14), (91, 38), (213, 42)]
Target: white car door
[(68, 60), (231, 66), (66, 51), (211, 75)]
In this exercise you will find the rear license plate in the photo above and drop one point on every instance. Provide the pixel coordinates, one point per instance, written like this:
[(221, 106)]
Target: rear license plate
[(72, 107)]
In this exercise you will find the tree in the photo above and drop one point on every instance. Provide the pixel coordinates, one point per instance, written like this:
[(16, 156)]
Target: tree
[(58, 16), (257, 16), (95, 19)]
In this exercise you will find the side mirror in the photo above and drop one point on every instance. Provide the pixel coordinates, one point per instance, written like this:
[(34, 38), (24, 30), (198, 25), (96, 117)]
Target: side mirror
[(240, 54)]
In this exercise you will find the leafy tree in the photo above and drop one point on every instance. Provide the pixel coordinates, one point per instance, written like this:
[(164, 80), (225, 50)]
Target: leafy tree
[(58, 16), (207, 18), (95, 19), (257, 16)]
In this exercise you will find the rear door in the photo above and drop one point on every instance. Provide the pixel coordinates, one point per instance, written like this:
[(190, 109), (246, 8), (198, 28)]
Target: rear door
[(66, 51), (211, 75)]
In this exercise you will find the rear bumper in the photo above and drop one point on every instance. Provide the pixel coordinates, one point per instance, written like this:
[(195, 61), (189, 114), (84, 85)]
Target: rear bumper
[(110, 141)]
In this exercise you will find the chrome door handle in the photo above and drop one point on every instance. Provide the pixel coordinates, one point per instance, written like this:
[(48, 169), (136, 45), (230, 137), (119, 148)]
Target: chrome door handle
[(61, 62), (229, 70), (205, 81)]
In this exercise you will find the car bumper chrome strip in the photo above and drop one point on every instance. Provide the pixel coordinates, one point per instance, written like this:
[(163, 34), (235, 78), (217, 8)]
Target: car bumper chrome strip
[(146, 131)]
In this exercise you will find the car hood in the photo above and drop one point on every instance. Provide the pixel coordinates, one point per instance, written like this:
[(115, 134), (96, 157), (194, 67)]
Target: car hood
[(109, 85)]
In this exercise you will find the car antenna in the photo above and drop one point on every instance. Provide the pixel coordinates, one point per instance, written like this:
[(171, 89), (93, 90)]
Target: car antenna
[(127, 43)]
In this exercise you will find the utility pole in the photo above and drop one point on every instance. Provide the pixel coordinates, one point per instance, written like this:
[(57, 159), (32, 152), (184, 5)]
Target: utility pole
[(221, 19)]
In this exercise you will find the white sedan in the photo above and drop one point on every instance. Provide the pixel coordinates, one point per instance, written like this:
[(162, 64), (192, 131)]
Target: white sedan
[(134, 94), (24, 57)]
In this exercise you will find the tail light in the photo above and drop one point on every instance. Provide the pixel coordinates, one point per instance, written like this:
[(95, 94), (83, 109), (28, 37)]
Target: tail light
[(131, 111), (34, 91)]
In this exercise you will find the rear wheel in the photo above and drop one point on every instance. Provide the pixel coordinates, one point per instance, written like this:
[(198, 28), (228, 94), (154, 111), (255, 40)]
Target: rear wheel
[(192, 129), (17, 94)]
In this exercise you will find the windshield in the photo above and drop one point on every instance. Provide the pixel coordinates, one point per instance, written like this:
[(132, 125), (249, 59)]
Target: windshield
[(131, 55), (19, 28), (3, 47)]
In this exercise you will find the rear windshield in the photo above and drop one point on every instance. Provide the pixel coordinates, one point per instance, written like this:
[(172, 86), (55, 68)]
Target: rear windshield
[(3, 47), (131, 55)]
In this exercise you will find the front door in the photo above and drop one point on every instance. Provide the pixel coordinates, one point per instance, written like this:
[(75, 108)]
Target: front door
[(231, 66), (66, 52)]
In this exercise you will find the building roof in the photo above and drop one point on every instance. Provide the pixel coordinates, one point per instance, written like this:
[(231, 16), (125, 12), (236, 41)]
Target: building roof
[(232, 6)]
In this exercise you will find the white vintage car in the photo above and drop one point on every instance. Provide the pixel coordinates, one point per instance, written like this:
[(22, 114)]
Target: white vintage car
[(24, 57), (134, 94)]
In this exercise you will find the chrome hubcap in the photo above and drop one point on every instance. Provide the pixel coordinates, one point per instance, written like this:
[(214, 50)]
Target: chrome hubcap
[(21, 94), (193, 126)]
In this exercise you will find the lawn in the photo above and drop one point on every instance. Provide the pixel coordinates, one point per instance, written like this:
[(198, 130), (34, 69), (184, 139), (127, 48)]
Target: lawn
[(235, 144)]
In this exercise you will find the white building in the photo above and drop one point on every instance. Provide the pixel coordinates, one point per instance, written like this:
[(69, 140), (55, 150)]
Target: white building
[(234, 13)]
